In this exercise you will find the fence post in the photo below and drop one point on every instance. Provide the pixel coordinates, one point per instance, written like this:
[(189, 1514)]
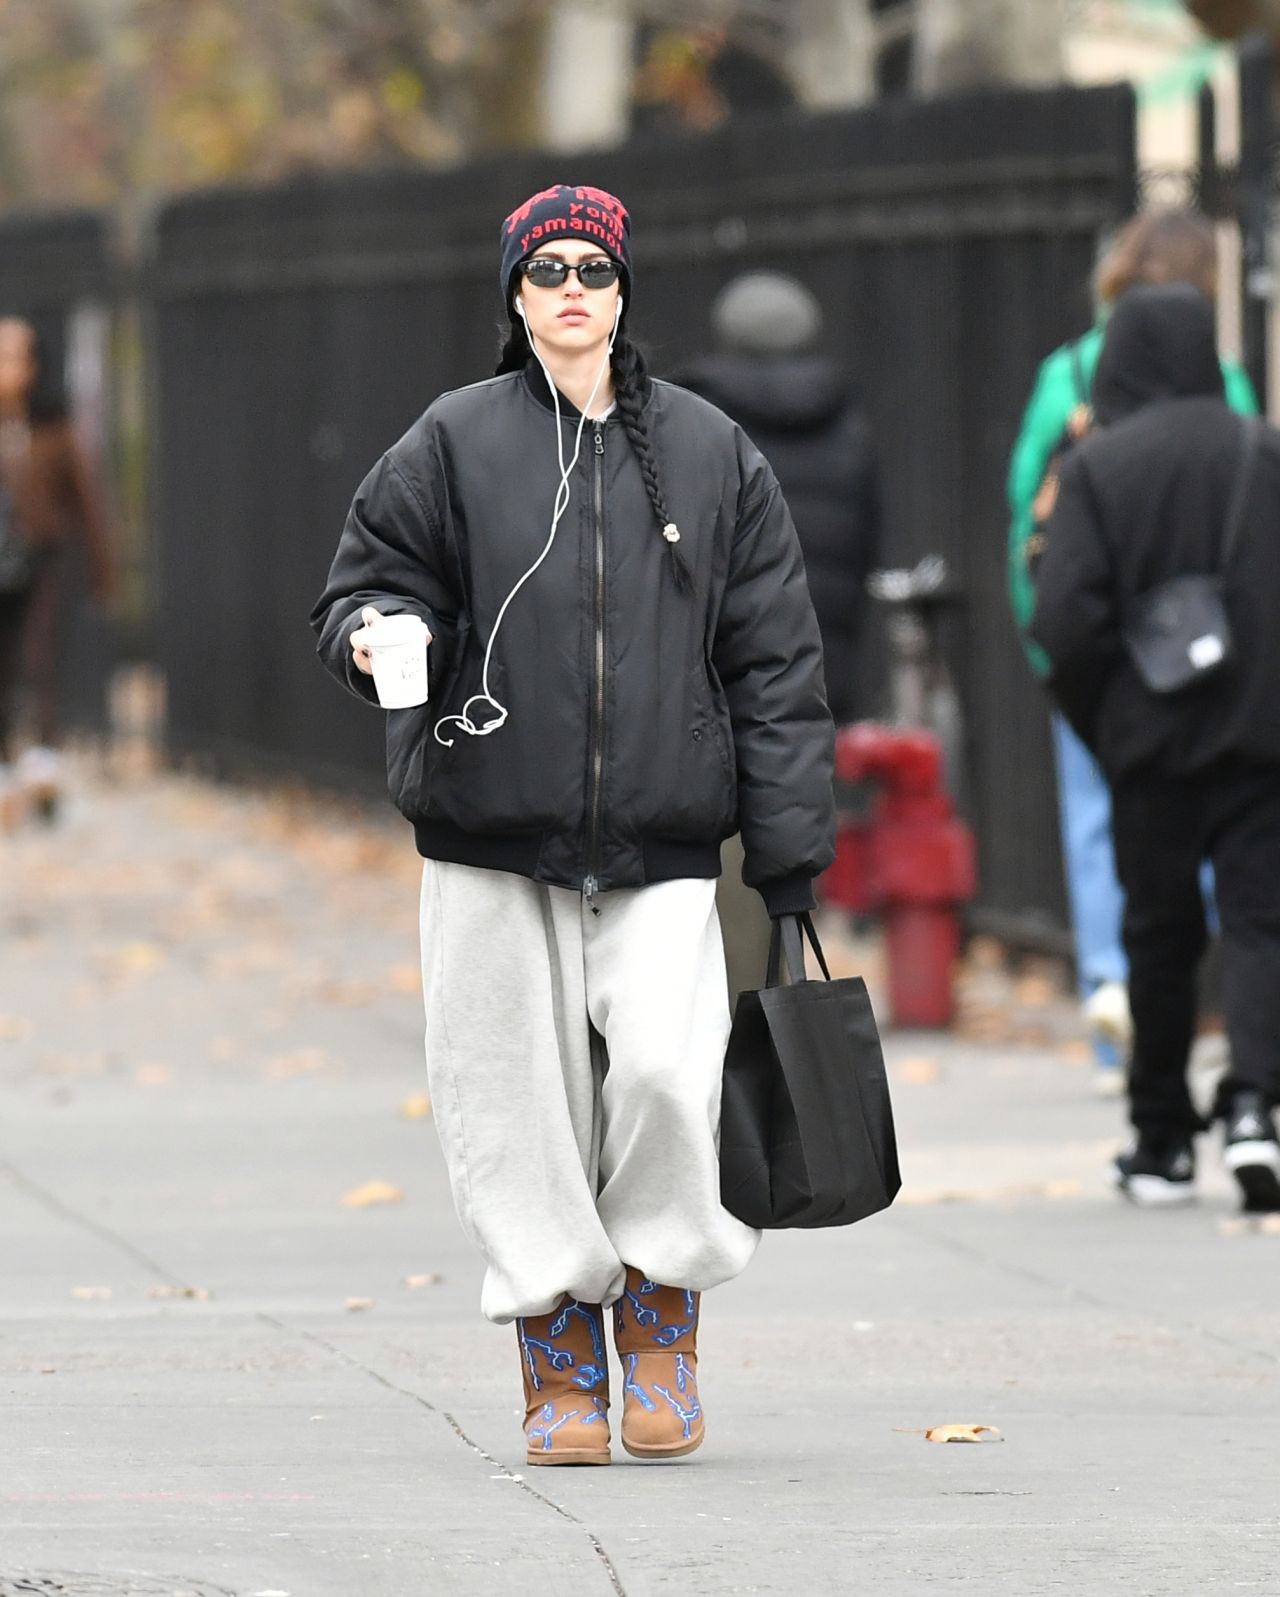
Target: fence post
[(1254, 207), (1208, 184)]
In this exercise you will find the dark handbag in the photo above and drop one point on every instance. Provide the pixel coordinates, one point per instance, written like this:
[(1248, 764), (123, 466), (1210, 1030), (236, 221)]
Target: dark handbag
[(806, 1126), (1178, 633)]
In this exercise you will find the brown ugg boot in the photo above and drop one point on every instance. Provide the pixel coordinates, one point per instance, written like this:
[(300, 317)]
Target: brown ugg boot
[(655, 1330), (566, 1385)]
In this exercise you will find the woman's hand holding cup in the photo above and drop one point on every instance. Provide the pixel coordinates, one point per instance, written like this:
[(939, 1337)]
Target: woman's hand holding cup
[(401, 642), (360, 639)]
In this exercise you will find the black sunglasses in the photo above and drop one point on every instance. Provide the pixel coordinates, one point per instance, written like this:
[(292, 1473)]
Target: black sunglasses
[(545, 271)]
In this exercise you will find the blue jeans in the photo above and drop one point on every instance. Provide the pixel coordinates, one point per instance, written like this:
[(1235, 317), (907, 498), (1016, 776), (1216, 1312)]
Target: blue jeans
[(1093, 892)]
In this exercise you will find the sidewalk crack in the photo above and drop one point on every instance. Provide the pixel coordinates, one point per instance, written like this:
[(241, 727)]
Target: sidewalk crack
[(1071, 1290), (64, 1211), (597, 1545)]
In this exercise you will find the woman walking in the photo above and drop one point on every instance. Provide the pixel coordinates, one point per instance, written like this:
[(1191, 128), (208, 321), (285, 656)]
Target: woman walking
[(48, 501), (625, 670)]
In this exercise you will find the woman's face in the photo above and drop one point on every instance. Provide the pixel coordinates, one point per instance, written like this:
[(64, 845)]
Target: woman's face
[(570, 320), (17, 361)]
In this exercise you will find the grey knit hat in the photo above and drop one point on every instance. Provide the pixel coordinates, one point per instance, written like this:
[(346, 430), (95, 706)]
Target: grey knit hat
[(765, 313)]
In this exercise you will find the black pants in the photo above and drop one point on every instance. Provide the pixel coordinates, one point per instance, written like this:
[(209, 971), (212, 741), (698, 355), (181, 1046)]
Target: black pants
[(1164, 827), (14, 607)]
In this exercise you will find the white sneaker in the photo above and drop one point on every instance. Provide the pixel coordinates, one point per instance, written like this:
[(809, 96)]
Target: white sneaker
[(1106, 1012)]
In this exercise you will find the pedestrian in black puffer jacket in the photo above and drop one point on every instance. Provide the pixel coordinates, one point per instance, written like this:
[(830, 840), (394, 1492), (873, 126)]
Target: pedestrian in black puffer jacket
[(1195, 774), (616, 689), (797, 407)]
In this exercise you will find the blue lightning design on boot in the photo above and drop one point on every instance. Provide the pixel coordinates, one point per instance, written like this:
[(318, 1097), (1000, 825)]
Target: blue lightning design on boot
[(589, 1376), (691, 1409), (670, 1334), (630, 1384)]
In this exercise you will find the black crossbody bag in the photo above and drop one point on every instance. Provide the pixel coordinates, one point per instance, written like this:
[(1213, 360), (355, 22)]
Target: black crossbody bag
[(1178, 633)]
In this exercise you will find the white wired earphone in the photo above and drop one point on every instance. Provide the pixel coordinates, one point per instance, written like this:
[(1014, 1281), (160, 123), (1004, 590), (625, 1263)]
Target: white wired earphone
[(462, 720)]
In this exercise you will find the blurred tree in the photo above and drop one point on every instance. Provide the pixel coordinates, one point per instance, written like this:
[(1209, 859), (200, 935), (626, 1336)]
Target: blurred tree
[(100, 98), (697, 74), (961, 44), (1229, 19), (832, 51)]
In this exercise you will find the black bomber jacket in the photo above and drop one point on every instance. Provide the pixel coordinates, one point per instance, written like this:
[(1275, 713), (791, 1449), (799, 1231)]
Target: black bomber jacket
[(645, 724)]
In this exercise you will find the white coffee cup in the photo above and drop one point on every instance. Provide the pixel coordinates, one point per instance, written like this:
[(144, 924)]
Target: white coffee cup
[(397, 648)]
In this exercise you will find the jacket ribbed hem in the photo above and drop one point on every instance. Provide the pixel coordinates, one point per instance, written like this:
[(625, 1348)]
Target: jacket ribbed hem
[(515, 853), (660, 859)]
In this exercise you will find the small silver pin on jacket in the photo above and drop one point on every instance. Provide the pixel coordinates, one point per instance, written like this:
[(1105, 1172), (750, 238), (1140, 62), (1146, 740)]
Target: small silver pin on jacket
[(671, 532)]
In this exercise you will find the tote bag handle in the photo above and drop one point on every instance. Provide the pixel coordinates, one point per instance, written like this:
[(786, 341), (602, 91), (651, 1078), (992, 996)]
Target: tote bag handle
[(786, 949)]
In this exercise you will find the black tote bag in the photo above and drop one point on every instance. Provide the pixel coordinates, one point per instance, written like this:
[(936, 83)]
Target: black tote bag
[(806, 1126)]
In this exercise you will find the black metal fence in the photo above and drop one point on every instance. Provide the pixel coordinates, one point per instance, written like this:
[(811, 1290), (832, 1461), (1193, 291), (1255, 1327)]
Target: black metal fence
[(299, 330)]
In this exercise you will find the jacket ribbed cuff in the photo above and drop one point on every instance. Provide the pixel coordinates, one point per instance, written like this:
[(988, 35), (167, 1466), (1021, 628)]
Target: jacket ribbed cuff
[(788, 895)]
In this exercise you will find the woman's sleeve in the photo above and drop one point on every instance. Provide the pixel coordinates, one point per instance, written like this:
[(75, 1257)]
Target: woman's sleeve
[(1043, 423), (389, 556), (1239, 389), (1076, 619), (768, 657)]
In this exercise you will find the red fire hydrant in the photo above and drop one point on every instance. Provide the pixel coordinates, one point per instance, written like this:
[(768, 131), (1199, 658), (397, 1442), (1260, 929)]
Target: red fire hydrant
[(912, 862)]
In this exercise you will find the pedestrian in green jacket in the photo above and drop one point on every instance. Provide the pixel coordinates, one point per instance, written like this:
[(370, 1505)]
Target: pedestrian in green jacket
[(1159, 246)]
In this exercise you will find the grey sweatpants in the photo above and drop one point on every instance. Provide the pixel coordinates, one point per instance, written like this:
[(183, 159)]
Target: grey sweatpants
[(574, 1062)]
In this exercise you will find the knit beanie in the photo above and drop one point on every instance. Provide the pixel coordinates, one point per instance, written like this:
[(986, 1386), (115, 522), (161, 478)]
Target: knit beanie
[(566, 210)]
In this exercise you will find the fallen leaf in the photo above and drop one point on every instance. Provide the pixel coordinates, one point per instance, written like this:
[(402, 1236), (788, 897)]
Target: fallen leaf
[(355, 1304), (413, 1282), (919, 1071), (199, 1292), (298, 1063), (417, 1106), (1244, 1225), (985, 953), (153, 1075), (405, 979), (372, 1192), (349, 994), (90, 1291), (1062, 1188), (134, 959), (13, 1028), (963, 1433), (48, 1369)]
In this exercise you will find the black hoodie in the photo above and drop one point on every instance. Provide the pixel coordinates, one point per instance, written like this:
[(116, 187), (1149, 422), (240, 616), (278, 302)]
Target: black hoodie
[(1142, 500), (798, 412)]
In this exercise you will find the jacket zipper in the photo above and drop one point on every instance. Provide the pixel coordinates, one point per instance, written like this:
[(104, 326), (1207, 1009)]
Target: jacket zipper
[(591, 885)]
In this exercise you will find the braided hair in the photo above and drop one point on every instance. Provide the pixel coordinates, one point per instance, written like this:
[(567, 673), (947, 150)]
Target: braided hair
[(631, 389)]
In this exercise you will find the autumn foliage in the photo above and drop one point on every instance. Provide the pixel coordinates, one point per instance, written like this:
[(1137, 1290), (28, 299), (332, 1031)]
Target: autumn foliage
[(103, 98)]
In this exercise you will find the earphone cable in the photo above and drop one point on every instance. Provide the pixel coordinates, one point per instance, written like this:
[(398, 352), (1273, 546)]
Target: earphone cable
[(463, 719)]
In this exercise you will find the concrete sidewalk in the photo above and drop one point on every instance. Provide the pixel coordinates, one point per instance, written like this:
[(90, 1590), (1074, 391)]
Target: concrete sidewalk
[(209, 1033)]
